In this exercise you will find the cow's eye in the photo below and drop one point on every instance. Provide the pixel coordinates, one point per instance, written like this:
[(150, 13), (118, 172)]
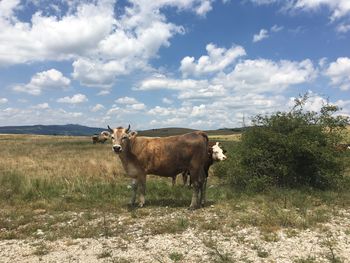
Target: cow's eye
[(124, 137), (112, 137)]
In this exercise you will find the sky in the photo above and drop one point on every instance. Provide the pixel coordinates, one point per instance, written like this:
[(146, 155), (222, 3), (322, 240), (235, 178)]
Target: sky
[(201, 64)]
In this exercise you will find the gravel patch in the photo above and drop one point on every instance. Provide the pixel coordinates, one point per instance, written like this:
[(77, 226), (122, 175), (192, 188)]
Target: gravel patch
[(137, 242)]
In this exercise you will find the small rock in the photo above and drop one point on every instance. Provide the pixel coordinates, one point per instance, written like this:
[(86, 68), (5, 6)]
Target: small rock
[(39, 211), (39, 232)]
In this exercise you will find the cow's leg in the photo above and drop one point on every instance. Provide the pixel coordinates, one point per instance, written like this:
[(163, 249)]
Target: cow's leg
[(174, 180), (134, 192), (184, 177), (204, 190), (142, 183), (194, 201)]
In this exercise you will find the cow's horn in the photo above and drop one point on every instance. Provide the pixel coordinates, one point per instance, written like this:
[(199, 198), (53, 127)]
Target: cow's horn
[(110, 129), (128, 129)]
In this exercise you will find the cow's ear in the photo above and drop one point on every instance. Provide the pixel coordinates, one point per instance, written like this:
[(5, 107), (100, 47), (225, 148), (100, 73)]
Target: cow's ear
[(132, 133)]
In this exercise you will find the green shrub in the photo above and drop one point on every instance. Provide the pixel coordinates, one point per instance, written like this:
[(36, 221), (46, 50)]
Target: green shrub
[(289, 149)]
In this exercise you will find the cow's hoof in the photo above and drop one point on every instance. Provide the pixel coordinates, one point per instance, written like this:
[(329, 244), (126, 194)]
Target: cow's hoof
[(132, 205), (141, 205)]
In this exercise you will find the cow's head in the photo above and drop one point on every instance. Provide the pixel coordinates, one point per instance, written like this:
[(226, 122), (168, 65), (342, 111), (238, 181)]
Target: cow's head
[(120, 138), (218, 153)]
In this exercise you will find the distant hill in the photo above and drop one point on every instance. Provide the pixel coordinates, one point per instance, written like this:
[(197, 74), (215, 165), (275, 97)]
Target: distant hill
[(177, 131), (69, 129), (80, 130)]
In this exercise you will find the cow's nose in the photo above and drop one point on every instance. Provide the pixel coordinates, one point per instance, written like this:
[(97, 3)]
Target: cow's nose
[(117, 148)]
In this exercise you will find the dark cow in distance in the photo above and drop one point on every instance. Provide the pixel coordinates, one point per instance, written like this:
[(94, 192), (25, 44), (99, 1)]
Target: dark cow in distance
[(166, 156), (100, 138), (342, 147)]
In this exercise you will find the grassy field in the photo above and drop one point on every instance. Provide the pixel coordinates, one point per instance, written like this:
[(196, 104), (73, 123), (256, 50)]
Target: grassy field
[(54, 187)]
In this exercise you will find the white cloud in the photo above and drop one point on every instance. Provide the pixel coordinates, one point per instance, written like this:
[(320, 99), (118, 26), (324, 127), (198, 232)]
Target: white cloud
[(97, 107), (343, 28), (30, 116), (126, 100), (339, 8), (167, 101), (217, 60), (209, 92), (204, 7), (103, 92), (94, 73), (220, 112), (264, 75), (41, 106), (75, 99), (339, 73), (137, 106), (3, 100), (276, 28), (50, 79), (261, 35), (55, 38), (162, 82), (255, 76), (130, 104), (7, 8), (101, 45)]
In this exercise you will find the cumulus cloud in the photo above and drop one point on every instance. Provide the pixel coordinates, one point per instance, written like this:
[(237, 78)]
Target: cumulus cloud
[(162, 82), (339, 8), (94, 73), (167, 101), (30, 116), (256, 76), (3, 100), (131, 104), (217, 60), (41, 106), (343, 28), (54, 37), (204, 8), (263, 33), (97, 107), (276, 28), (339, 73), (103, 92), (7, 8), (75, 99), (126, 100), (50, 79), (222, 112), (101, 45), (264, 75)]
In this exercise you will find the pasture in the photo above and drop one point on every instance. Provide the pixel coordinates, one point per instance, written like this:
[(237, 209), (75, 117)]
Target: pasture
[(63, 199)]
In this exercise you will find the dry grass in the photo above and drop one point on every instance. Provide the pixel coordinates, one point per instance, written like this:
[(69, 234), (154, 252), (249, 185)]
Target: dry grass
[(232, 137), (57, 156), (54, 186)]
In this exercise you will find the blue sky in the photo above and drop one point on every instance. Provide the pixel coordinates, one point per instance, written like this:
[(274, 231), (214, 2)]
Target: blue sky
[(200, 64)]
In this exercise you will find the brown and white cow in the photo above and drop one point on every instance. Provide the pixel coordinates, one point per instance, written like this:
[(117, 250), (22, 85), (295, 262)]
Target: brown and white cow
[(215, 154), (166, 156)]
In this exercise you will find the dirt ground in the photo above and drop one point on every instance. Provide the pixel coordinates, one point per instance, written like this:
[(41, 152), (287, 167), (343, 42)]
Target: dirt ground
[(177, 235)]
